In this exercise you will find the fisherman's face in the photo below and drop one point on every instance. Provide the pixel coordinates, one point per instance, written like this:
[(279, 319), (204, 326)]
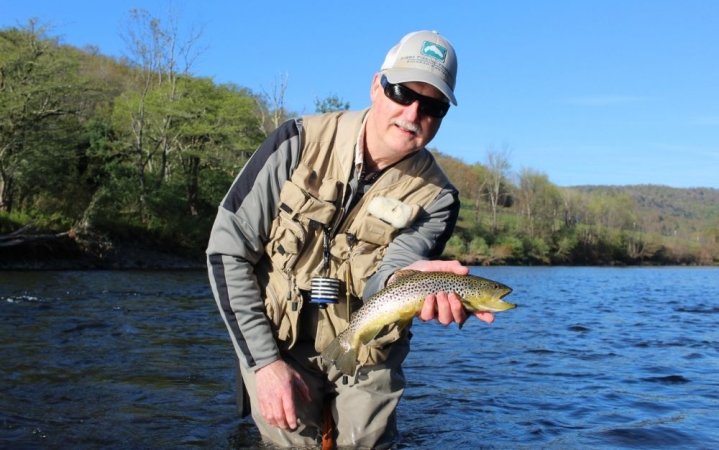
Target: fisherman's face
[(403, 129)]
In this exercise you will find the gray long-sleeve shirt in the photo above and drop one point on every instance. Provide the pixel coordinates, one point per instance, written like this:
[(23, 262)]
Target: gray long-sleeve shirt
[(242, 228)]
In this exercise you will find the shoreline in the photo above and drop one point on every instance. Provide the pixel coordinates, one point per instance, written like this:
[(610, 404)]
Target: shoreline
[(68, 253)]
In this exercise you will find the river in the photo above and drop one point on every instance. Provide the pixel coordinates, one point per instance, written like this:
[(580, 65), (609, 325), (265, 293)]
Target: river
[(592, 358)]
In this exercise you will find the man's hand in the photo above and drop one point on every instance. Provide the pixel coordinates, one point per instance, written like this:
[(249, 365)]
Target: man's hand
[(277, 383), (443, 306)]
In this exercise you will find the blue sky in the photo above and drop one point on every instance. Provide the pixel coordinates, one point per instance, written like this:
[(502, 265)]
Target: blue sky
[(585, 91)]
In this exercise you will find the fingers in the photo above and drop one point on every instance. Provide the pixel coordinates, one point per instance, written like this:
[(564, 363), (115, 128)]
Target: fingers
[(453, 266), (444, 311), (459, 314), (276, 386), (429, 308), (439, 266), (278, 410), (485, 316), (446, 308), (288, 417)]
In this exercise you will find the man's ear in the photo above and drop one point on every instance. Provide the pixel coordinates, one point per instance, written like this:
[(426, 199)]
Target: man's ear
[(376, 87)]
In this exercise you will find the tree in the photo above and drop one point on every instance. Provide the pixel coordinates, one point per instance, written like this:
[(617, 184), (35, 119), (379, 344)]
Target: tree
[(479, 179), (497, 171), (271, 105), (39, 97), (331, 104), (539, 200), (156, 50), (217, 131)]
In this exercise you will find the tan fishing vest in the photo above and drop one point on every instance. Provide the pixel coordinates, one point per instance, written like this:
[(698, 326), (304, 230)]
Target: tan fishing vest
[(311, 203)]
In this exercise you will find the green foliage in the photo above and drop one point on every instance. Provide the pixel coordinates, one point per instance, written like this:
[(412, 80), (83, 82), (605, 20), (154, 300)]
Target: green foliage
[(478, 248), (11, 221), (586, 225), (512, 246), (145, 151), (456, 247), (536, 250), (331, 104)]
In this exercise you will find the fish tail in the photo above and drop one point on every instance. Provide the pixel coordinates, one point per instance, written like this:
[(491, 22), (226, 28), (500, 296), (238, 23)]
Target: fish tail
[(342, 355), (347, 362)]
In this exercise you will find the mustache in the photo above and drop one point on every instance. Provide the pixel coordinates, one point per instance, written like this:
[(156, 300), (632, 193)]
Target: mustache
[(409, 126)]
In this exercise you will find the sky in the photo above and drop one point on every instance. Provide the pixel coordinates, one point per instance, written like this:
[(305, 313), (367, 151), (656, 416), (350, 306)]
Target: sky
[(587, 92)]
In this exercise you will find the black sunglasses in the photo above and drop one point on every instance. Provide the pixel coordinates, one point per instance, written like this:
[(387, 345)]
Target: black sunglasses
[(406, 96)]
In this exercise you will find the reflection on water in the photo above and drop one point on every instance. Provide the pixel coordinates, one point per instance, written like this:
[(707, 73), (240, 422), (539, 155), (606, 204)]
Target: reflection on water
[(598, 358)]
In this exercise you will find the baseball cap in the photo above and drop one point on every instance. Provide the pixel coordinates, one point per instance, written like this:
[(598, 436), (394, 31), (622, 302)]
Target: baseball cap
[(423, 56)]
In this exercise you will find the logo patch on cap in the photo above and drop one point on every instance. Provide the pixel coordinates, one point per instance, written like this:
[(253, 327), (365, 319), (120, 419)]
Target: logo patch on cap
[(433, 50)]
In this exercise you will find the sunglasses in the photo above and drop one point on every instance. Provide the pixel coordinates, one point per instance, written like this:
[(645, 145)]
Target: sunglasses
[(406, 96)]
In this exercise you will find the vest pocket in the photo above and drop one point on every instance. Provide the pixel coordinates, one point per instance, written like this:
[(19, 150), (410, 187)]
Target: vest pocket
[(297, 202), (374, 231), (282, 310), (298, 212), (286, 241)]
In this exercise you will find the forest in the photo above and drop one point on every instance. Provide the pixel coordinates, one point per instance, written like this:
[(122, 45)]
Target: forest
[(105, 160)]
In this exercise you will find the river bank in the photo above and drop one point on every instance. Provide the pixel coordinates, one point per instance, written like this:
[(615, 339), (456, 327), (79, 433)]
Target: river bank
[(70, 253)]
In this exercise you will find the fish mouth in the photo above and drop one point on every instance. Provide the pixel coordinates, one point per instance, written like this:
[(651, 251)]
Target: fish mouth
[(500, 304)]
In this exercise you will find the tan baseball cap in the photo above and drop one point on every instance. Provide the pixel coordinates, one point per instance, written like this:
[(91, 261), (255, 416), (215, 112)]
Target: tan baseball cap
[(423, 56)]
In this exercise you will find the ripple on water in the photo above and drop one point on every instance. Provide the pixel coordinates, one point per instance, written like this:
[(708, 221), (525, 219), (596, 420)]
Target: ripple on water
[(648, 437), (669, 379)]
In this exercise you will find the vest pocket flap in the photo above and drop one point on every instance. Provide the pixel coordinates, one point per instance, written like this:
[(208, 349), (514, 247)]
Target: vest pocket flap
[(297, 202), (374, 231), (329, 190), (292, 197), (318, 210)]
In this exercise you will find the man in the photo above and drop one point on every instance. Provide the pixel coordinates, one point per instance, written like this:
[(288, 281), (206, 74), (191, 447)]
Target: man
[(311, 204)]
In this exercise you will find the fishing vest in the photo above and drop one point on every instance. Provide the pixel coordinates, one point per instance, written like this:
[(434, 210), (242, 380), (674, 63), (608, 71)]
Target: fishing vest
[(311, 213)]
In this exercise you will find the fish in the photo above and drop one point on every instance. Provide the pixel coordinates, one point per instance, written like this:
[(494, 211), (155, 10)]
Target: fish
[(400, 301)]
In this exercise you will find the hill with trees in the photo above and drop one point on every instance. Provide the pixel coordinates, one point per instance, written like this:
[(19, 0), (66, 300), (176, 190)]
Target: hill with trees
[(525, 219), (122, 162)]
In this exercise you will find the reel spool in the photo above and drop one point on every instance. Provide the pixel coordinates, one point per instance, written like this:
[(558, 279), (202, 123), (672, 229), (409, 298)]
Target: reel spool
[(325, 291)]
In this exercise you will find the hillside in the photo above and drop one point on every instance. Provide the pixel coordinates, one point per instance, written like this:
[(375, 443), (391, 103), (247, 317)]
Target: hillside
[(701, 204), (510, 218)]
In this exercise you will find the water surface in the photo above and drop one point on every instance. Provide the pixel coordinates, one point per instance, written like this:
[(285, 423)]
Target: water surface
[(592, 358)]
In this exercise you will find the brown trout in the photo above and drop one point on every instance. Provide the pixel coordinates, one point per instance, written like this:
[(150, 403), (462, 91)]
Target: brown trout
[(402, 300)]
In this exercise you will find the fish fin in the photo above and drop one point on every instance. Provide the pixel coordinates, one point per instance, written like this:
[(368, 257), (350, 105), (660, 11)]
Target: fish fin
[(344, 357), (370, 333), (332, 351), (347, 362)]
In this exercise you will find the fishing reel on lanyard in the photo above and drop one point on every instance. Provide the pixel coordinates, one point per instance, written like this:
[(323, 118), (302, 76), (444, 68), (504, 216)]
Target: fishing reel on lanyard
[(325, 290)]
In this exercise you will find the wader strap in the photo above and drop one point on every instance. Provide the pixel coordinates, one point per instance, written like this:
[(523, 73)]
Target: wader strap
[(328, 427)]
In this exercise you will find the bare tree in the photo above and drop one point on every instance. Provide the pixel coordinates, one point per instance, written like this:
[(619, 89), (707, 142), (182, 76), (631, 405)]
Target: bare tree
[(497, 171), (539, 201), (271, 105), (276, 101), (159, 54)]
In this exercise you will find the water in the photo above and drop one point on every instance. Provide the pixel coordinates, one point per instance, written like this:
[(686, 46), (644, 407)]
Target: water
[(592, 358)]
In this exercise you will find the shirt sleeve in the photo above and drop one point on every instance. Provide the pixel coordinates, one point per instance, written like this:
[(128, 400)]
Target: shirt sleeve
[(237, 240), (425, 239)]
